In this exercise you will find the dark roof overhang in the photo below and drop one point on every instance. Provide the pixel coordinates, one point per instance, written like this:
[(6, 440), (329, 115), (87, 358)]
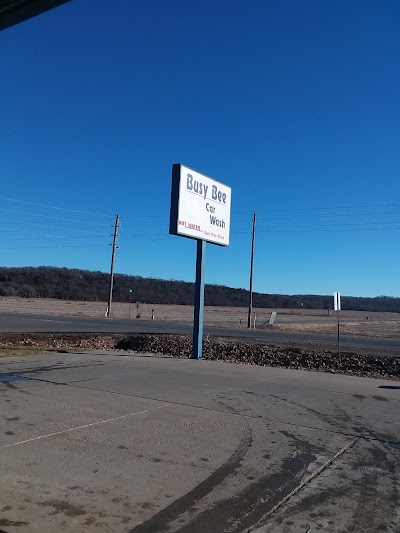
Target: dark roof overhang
[(16, 11)]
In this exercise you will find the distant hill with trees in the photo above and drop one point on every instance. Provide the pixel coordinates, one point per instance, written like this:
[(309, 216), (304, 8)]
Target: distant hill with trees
[(74, 284)]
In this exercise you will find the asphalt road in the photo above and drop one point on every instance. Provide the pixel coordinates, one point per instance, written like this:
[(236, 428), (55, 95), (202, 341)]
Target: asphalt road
[(61, 324), (109, 442)]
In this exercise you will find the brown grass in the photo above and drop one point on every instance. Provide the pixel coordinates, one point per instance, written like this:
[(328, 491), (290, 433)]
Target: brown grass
[(18, 351)]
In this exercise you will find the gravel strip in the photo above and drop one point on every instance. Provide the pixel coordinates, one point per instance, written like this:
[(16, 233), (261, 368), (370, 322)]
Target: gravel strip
[(232, 351)]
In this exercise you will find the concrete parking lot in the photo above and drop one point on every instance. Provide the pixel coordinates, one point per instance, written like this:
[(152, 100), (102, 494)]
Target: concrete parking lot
[(113, 442)]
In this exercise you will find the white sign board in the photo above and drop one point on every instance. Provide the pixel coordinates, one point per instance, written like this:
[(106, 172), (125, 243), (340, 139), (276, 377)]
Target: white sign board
[(200, 206), (336, 301), (272, 318)]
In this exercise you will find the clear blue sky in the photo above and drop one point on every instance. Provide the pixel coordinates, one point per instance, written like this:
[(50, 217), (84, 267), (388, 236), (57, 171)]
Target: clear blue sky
[(294, 104)]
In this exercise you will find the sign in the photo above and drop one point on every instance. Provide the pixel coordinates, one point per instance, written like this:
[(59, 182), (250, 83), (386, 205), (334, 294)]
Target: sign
[(200, 207), (336, 301), (272, 318)]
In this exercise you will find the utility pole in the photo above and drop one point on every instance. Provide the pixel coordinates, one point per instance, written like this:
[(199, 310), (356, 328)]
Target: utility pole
[(251, 272), (114, 247)]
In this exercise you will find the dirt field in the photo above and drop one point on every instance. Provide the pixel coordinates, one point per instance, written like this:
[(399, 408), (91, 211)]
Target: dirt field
[(315, 321)]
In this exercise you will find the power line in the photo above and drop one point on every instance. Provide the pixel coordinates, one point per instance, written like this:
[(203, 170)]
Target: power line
[(308, 230), (53, 247), (321, 216), (141, 234), (332, 225), (56, 218), (272, 228), (55, 207), (146, 241), (94, 253), (133, 217), (46, 235), (30, 239), (318, 208), (8, 221), (145, 216), (147, 225), (123, 234)]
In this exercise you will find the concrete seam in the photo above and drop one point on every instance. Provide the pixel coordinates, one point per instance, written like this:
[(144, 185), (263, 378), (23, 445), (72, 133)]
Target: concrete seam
[(312, 476), (83, 427)]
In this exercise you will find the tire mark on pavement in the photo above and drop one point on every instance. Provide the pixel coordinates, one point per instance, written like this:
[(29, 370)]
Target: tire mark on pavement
[(370, 512), (160, 521), (241, 510), (322, 416)]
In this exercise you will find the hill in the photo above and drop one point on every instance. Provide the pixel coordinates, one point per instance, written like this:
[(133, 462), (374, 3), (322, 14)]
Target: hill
[(74, 284)]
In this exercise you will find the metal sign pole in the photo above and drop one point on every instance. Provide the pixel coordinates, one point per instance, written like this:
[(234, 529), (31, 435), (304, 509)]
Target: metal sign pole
[(199, 301), (130, 302), (337, 306), (338, 337)]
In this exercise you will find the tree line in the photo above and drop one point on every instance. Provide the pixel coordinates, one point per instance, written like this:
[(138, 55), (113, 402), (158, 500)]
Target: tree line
[(74, 284)]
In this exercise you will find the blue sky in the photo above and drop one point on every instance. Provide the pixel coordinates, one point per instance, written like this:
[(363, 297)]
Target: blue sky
[(295, 105)]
